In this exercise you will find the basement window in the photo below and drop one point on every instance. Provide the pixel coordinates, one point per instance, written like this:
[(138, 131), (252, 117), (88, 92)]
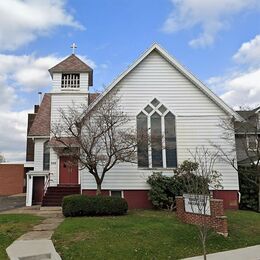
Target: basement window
[(70, 81), (116, 193)]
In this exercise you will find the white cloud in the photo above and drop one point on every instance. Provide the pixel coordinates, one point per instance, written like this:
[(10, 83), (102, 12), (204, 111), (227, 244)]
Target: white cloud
[(211, 16), (249, 52), (13, 134), (22, 21), (24, 73), (241, 85), (29, 73)]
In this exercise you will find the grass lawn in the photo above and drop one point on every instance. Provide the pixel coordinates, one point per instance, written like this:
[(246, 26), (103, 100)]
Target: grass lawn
[(148, 235), (11, 227)]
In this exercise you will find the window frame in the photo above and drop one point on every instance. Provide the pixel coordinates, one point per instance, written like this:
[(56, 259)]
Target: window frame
[(156, 109), (70, 81), (122, 193), (46, 145)]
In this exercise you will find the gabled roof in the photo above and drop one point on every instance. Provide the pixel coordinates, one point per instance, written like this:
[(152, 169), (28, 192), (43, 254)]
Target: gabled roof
[(72, 64), (92, 97), (41, 123), (250, 124), (181, 69)]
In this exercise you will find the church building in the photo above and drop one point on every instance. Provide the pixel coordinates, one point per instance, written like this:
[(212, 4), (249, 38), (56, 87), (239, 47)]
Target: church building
[(158, 94)]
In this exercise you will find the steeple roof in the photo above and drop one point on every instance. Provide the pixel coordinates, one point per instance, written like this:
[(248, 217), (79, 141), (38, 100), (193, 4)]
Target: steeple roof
[(73, 64)]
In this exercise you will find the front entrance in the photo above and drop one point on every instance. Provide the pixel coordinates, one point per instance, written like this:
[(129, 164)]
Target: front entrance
[(68, 170), (38, 186)]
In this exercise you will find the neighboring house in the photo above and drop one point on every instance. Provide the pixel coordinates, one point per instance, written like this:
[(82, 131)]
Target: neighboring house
[(158, 94), (248, 137)]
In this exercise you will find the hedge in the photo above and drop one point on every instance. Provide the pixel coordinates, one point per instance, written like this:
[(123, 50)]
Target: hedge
[(81, 205)]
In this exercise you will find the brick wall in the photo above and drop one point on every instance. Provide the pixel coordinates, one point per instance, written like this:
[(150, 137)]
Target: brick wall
[(229, 197), (11, 179), (136, 199), (216, 220)]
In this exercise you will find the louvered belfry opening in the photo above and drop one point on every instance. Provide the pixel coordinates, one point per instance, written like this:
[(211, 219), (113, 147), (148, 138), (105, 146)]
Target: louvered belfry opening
[(70, 80)]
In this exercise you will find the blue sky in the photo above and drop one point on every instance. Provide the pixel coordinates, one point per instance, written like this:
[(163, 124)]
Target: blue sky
[(218, 40)]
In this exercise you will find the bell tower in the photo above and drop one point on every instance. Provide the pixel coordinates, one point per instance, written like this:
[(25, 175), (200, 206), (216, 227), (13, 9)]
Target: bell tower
[(71, 75)]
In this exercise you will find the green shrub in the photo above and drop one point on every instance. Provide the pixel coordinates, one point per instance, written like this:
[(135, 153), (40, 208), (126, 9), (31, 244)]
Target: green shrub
[(248, 189), (164, 189), (81, 205)]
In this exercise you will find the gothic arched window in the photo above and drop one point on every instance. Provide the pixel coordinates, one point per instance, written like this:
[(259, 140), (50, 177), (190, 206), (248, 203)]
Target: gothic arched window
[(46, 156), (156, 147), (142, 142)]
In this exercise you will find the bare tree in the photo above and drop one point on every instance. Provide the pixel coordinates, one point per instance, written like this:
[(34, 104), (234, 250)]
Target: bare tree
[(2, 158), (246, 146), (98, 137), (199, 177)]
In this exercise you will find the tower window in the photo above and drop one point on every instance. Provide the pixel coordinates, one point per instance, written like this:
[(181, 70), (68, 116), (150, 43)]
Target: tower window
[(70, 81)]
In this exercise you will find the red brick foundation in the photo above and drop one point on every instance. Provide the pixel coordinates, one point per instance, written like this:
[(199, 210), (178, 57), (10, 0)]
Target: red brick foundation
[(136, 199), (11, 179), (229, 197), (216, 220)]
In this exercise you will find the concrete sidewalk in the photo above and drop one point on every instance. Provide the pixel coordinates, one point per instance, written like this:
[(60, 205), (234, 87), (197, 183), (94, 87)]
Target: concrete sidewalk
[(37, 244), (247, 253)]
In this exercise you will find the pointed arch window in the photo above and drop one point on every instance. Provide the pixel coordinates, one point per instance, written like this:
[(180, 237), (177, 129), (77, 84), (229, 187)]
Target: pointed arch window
[(142, 143), (170, 140), (156, 140), (46, 156), (156, 147)]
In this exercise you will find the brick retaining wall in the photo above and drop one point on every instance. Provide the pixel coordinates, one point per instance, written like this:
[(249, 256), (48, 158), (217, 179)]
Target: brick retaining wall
[(217, 220)]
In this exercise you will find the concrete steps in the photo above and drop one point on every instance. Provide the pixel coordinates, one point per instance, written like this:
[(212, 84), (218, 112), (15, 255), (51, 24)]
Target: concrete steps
[(54, 195)]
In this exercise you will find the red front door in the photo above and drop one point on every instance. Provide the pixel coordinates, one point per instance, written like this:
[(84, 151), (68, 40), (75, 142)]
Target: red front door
[(68, 170)]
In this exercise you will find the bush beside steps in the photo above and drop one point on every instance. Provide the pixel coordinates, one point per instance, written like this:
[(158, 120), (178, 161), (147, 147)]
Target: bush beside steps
[(82, 205)]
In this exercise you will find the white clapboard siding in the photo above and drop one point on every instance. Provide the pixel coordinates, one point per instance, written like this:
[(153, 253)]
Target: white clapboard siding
[(56, 82), (54, 168), (38, 154), (197, 120), (84, 82), (62, 101)]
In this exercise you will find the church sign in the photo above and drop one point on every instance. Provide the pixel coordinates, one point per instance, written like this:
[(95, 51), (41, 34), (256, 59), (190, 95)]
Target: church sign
[(198, 204)]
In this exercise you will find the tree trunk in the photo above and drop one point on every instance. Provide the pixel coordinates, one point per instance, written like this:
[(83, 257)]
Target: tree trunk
[(204, 250), (98, 192), (258, 194)]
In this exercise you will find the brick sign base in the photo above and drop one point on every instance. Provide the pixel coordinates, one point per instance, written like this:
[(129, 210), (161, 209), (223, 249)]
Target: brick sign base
[(216, 220)]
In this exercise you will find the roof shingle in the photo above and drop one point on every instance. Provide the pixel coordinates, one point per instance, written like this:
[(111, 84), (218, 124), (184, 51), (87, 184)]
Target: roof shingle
[(73, 64), (41, 123)]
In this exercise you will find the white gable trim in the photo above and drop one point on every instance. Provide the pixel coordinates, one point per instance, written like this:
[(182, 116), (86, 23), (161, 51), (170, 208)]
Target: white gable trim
[(182, 70)]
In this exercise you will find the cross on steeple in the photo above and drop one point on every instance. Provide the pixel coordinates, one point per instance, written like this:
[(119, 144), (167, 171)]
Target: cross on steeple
[(74, 47)]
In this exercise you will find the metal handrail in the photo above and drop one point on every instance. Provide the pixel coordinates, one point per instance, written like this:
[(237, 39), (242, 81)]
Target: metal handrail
[(46, 184)]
